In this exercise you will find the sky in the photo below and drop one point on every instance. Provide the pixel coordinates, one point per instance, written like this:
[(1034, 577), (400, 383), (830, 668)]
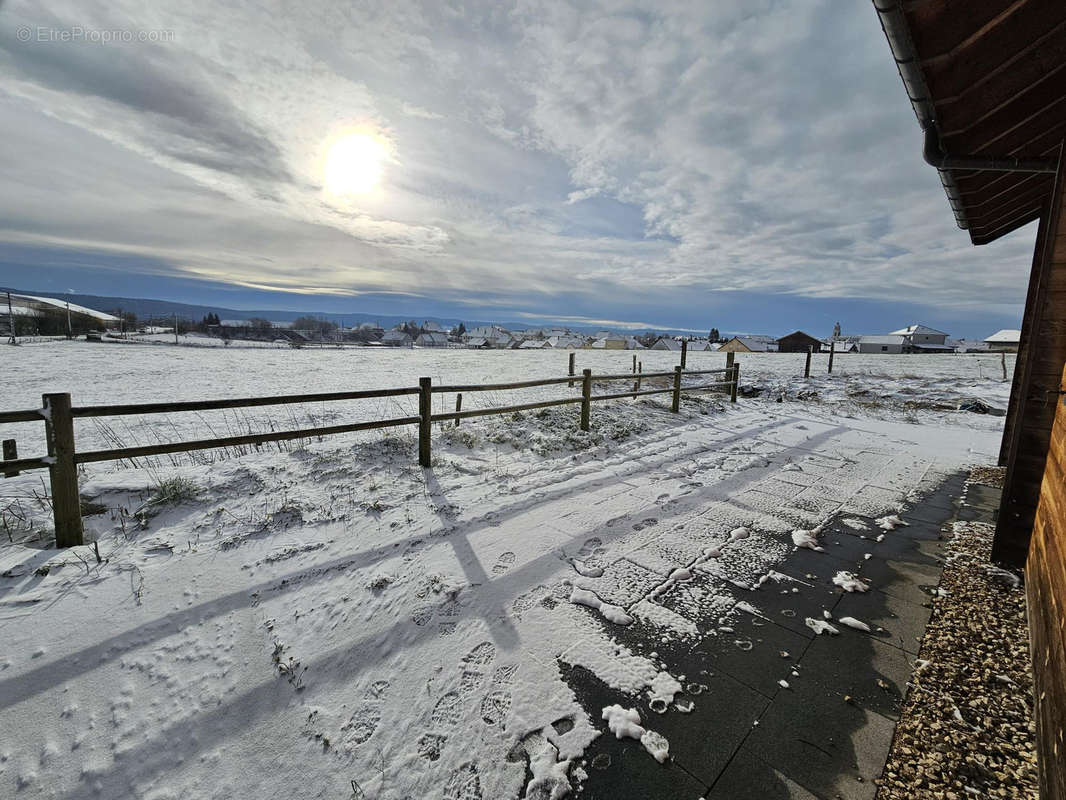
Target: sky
[(751, 165)]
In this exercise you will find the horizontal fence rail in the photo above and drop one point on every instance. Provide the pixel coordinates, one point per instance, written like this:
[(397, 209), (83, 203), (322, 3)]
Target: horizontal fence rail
[(240, 402), (21, 416), (63, 458), (125, 453)]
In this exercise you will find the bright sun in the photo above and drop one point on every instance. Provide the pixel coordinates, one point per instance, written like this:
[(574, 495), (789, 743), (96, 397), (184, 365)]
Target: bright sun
[(354, 164)]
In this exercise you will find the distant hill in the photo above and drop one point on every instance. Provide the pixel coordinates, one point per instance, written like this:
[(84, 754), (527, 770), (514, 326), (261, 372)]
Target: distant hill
[(146, 308)]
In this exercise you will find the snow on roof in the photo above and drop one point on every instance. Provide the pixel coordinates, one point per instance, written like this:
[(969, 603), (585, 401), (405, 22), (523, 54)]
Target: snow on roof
[(532, 344), (435, 338), (1005, 336), (63, 304), (917, 328), (667, 344), (755, 345)]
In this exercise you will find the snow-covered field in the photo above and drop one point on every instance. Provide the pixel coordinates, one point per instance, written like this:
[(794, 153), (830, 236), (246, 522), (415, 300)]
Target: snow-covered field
[(329, 620)]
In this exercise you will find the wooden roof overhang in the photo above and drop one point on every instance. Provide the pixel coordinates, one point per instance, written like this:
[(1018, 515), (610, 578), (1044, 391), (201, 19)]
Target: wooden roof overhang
[(987, 80)]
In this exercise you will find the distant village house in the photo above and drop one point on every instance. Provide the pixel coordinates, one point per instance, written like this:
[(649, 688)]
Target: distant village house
[(798, 342), (1004, 341)]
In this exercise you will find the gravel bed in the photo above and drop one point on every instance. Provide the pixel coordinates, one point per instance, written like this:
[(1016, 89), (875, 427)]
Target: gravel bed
[(990, 476), (967, 728)]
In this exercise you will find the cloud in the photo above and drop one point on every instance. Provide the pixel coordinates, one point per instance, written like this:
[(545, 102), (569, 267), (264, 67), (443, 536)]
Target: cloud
[(540, 149)]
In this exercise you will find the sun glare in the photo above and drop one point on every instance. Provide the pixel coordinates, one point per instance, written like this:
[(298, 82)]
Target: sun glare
[(354, 164)]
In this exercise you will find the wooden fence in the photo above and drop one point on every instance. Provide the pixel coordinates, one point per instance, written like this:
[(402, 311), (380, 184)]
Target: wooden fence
[(63, 457)]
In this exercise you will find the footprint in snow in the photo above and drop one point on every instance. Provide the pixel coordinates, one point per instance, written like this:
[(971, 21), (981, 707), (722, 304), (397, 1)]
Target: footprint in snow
[(494, 707), (526, 601), (503, 563), (447, 711), (365, 721), (497, 703), (592, 544), (463, 784), (449, 708)]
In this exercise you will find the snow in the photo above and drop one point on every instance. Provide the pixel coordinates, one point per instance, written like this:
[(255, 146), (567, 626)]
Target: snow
[(849, 582), (549, 780), (802, 538), (63, 304), (609, 610), (851, 622), (820, 626), (623, 722), (656, 744), (888, 523), (325, 611)]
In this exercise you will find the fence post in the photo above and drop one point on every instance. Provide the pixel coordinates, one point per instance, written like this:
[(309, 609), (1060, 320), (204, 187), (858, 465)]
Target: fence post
[(458, 407), (634, 363), (675, 406), (425, 409), (733, 386), (586, 398), (807, 366), (572, 354), (832, 350), (640, 374), (66, 503), (729, 358), (684, 352), (1003, 363), (11, 452)]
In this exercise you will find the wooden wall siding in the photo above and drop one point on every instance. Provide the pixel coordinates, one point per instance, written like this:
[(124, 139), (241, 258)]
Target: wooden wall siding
[(1037, 376), (1024, 344), (1046, 596)]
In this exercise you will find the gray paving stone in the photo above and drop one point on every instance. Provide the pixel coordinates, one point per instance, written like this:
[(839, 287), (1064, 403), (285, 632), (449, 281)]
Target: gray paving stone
[(872, 673), (789, 600), (903, 621), (703, 740), (833, 748), (748, 777), (903, 579), (622, 767), (751, 653)]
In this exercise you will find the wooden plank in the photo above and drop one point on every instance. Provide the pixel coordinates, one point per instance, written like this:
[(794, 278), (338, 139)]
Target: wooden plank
[(586, 397), (1045, 327), (495, 387), (234, 441), (66, 502), (240, 402), (20, 416), (1046, 599), (630, 393), (487, 412), (12, 468), (646, 375), (425, 418), (11, 453)]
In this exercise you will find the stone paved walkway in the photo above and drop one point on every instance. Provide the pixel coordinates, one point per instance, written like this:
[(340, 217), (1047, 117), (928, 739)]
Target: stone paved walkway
[(828, 733)]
